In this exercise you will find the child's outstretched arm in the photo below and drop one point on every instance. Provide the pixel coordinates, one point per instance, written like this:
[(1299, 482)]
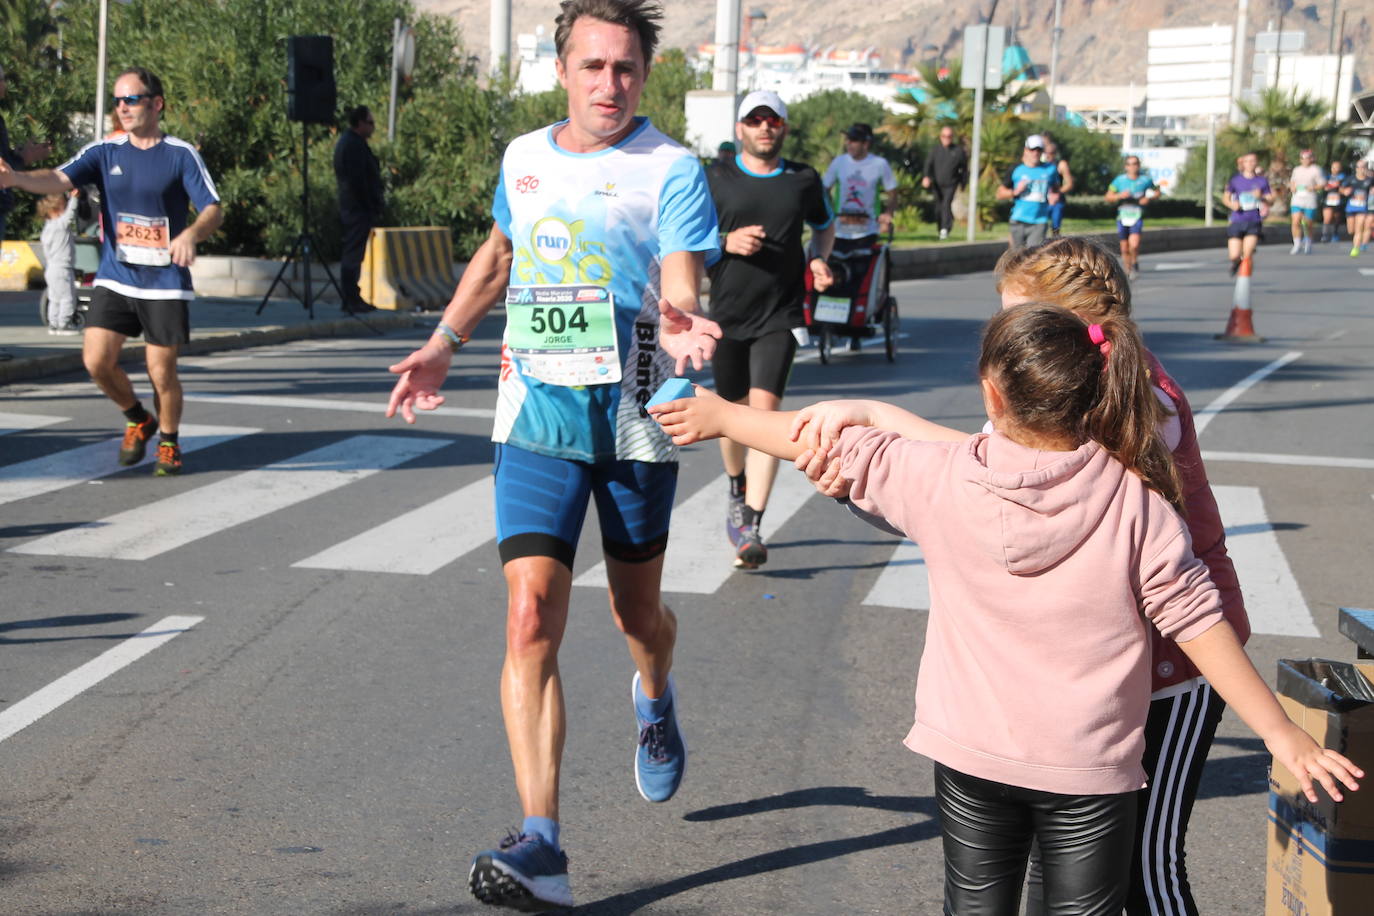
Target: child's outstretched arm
[(709, 416), (1221, 659), (827, 419)]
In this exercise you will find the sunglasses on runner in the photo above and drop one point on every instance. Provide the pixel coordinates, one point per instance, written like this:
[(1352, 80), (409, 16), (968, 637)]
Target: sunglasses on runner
[(772, 121), (132, 100)]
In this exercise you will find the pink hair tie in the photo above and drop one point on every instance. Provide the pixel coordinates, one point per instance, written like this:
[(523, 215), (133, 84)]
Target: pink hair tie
[(1096, 335)]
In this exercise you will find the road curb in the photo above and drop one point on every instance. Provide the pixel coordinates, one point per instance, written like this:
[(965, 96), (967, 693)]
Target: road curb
[(943, 259), (212, 342)]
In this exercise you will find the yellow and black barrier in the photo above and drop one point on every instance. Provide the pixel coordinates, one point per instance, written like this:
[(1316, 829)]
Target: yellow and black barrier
[(409, 267)]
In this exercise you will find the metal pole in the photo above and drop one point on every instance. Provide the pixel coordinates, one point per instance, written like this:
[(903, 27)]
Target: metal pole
[(500, 38), (1336, 96), (1054, 56), (1130, 118), (1237, 63), (1331, 41), (100, 71), (1278, 49), (395, 79), (1211, 168), (977, 143), (725, 72)]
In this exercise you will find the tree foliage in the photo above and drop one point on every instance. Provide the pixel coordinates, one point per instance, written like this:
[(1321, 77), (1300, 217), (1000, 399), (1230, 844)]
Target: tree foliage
[(223, 66)]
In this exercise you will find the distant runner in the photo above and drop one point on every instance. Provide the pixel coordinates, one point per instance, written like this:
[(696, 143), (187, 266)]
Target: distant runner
[(1307, 179), (1356, 193), (1333, 203), (1057, 197), (854, 177), (1028, 184), (1248, 195), (1131, 192)]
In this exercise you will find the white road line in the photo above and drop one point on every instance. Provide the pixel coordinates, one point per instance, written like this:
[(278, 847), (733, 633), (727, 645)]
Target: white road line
[(904, 582), (810, 354), (1367, 271), (166, 524), (1204, 416), (375, 406), (1312, 461), (19, 422), (1180, 265), (1272, 598), (90, 462), (37, 705), (421, 541), (699, 557)]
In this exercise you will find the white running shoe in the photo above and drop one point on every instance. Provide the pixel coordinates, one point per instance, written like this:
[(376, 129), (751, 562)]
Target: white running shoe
[(1297, 246)]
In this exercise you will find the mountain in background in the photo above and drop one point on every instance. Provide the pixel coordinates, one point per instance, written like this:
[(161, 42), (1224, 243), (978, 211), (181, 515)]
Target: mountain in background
[(1103, 42)]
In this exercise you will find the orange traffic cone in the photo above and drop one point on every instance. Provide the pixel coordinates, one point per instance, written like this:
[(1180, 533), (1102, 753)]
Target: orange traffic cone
[(1240, 328)]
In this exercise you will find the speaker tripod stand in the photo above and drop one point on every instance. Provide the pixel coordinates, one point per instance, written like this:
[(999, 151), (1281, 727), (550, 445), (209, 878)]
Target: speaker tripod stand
[(303, 248)]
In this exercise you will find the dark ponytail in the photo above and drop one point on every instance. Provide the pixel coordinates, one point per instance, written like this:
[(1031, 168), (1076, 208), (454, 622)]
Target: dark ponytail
[(1058, 381)]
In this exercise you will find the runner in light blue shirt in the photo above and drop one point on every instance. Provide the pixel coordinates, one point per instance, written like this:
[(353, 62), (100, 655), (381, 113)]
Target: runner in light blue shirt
[(1131, 192)]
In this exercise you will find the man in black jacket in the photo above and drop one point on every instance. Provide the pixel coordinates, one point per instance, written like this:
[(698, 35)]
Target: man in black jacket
[(946, 171), (360, 201)]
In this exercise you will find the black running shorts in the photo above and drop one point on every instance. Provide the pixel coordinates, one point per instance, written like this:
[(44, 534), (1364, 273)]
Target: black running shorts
[(758, 362), (162, 322)]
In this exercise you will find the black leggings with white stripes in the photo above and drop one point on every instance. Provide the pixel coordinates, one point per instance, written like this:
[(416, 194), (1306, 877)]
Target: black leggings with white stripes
[(1178, 735)]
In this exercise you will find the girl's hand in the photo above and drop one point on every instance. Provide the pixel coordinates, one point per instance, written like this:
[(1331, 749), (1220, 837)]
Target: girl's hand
[(693, 419), (823, 470), (819, 425), (1307, 760)]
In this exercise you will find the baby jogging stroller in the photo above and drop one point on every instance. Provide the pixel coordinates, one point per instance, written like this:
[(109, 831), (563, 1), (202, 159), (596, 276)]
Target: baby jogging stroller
[(858, 305)]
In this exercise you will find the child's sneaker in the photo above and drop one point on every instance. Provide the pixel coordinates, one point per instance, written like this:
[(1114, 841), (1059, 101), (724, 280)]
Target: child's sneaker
[(168, 459), (135, 444), (525, 873)]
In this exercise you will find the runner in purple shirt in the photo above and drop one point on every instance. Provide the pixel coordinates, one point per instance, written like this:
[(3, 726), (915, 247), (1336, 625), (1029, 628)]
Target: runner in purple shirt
[(1249, 196)]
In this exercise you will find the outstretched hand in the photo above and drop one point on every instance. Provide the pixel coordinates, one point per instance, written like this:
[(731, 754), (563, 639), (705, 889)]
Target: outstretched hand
[(422, 373), (1309, 762), (823, 470), (819, 425), (686, 336)]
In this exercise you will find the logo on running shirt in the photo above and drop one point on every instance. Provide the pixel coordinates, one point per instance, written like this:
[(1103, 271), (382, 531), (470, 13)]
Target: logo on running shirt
[(552, 239), (608, 191), (527, 185), (116, 171)]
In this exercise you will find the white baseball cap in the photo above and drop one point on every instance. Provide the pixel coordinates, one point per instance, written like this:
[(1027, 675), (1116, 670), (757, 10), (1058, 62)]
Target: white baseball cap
[(1035, 141), (762, 98)]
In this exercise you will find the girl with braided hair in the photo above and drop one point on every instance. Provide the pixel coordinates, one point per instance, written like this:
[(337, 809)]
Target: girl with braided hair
[(1052, 544)]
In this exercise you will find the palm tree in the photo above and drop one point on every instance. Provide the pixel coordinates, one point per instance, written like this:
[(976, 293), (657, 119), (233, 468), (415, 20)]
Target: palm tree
[(1277, 124)]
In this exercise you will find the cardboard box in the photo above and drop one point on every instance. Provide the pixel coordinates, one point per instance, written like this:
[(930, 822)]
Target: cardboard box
[(1320, 859)]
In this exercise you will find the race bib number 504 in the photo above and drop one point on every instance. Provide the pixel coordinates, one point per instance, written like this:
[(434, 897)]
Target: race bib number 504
[(563, 335)]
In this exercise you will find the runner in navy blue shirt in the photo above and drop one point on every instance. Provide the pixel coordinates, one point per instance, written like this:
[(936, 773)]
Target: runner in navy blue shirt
[(147, 181)]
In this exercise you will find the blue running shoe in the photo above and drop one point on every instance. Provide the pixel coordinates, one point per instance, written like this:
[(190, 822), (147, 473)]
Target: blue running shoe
[(661, 757), (525, 874)]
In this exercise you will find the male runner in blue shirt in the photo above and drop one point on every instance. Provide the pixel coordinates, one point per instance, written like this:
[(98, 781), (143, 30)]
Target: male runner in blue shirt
[(147, 179), (602, 228)]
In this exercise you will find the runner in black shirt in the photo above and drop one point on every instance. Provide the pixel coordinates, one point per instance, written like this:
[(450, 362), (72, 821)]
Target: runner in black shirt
[(756, 292)]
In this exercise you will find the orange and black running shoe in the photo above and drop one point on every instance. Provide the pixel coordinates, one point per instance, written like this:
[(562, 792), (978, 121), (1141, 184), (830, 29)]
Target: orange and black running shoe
[(135, 444), (168, 459)]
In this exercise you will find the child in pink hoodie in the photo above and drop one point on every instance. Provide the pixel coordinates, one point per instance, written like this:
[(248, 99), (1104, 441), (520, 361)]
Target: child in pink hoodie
[(1052, 545)]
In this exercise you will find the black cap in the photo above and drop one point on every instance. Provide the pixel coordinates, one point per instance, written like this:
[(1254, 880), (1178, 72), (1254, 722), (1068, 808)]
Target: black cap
[(859, 131)]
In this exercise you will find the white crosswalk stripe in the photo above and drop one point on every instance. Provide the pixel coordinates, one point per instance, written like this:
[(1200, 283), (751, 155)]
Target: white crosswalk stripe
[(145, 531), (421, 541), (91, 462), (1272, 597), (699, 558), (904, 581), (19, 422)]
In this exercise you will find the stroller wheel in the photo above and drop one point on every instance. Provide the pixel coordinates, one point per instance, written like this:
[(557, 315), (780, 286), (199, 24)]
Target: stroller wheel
[(825, 343)]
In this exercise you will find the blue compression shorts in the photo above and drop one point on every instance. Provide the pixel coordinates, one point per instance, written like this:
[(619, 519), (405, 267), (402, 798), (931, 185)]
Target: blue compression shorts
[(1306, 212), (541, 503)]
